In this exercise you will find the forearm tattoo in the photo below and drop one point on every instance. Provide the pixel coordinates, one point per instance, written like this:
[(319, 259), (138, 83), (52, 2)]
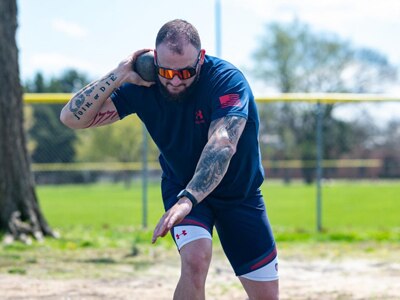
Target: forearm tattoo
[(214, 161), (101, 117), (83, 100)]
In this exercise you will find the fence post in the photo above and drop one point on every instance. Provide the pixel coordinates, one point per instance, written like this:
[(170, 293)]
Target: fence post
[(218, 28), (319, 170), (144, 176)]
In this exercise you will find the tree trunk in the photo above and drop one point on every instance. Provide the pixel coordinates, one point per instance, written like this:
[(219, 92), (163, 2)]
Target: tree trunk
[(20, 214)]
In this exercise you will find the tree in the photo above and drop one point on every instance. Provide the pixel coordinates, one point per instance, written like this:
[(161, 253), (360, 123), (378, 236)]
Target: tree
[(20, 213), (292, 58)]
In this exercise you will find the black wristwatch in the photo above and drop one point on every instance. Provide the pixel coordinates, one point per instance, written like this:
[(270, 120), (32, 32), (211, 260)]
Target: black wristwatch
[(187, 194)]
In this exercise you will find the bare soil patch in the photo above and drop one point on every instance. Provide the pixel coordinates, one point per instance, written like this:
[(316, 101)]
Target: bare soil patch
[(322, 274)]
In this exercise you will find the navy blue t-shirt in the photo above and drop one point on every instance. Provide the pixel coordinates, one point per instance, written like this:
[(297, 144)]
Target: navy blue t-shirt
[(180, 130)]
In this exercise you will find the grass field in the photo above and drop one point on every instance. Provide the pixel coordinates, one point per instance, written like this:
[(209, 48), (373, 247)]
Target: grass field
[(351, 210), (103, 250)]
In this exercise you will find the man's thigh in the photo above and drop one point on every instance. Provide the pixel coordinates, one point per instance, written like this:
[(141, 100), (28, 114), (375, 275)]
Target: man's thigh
[(247, 239)]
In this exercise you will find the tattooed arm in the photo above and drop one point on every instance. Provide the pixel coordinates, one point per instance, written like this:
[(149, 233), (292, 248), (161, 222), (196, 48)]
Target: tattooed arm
[(223, 137), (92, 105)]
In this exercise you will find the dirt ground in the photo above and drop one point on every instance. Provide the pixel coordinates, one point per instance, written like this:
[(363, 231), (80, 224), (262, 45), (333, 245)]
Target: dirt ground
[(110, 276)]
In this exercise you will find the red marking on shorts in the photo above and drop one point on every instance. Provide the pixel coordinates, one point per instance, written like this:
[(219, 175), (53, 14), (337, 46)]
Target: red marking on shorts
[(265, 260), (184, 232)]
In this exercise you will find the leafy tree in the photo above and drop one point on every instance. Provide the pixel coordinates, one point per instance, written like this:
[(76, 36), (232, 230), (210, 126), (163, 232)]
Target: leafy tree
[(292, 58)]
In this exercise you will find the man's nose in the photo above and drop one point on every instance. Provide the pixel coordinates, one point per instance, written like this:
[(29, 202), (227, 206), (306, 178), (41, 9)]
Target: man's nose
[(175, 81)]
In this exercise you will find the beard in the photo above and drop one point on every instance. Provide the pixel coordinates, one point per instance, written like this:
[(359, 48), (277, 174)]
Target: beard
[(181, 96)]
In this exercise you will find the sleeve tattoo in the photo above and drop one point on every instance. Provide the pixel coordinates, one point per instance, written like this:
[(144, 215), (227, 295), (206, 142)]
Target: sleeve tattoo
[(83, 100), (224, 135)]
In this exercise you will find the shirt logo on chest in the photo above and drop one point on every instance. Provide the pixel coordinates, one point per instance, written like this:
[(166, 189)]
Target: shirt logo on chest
[(199, 118)]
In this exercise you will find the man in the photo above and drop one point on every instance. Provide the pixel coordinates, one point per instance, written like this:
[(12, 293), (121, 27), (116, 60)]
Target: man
[(202, 116)]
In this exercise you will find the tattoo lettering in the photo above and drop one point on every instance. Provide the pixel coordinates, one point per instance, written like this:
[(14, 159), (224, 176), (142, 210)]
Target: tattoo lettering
[(83, 109), (110, 76), (78, 106)]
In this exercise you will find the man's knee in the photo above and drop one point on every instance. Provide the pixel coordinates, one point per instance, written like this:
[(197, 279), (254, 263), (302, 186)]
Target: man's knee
[(197, 262), (196, 258)]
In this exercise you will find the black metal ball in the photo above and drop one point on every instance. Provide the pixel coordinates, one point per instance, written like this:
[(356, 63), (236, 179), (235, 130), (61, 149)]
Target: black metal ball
[(144, 66)]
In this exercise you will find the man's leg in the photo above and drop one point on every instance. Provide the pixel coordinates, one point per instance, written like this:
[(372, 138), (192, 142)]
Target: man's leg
[(248, 242), (261, 290), (195, 261), (193, 238)]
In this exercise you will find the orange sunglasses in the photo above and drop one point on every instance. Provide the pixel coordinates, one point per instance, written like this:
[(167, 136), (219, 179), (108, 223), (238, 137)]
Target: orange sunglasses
[(183, 74)]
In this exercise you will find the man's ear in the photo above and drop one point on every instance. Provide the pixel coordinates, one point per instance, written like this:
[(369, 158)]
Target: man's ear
[(202, 55), (155, 56)]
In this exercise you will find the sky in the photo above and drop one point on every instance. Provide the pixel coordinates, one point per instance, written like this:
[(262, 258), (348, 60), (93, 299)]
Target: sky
[(94, 36)]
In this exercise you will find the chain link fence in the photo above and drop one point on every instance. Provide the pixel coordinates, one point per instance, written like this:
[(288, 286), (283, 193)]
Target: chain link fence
[(358, 148)]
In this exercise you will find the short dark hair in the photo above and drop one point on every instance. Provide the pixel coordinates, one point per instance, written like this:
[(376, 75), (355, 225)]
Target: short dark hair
[(176, 34)]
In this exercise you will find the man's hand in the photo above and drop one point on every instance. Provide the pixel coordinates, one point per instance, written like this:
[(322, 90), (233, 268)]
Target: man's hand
[(126, 67), (172, 217)]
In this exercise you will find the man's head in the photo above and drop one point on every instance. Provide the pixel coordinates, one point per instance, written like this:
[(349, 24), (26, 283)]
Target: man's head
[(179, 58)]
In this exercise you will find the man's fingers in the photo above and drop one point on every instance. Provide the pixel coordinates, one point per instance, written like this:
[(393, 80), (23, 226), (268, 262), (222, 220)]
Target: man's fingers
[(167, 221), (139, 80), (156, 232), (160, 229), (171, 223), (140, 52), (160, 232)]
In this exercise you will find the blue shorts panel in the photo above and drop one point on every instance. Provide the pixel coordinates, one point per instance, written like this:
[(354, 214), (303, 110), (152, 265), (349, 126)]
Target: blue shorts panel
[(246, 235), (243, 228)]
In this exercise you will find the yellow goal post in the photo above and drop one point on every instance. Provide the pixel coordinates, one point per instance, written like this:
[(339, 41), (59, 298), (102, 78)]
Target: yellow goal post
[(326, 98), (62, 98)]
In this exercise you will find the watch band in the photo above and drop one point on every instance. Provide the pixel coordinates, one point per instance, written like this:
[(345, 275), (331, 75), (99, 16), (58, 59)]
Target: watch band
[(187, 194)]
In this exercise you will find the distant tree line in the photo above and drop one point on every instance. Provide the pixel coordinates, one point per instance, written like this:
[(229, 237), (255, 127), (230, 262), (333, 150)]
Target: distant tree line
[(293, 58)]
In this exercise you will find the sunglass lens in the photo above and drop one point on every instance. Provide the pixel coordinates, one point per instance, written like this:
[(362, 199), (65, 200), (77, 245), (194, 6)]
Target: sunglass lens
[(186, 74), (169, 74)]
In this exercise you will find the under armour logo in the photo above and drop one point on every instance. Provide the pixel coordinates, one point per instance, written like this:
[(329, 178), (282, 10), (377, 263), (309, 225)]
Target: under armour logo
[(184, 232), (199, 117)]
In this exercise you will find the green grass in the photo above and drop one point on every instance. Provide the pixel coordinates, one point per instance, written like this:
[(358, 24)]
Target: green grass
[(351, 211), (101, 227), (98, 205), (346, 205)]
